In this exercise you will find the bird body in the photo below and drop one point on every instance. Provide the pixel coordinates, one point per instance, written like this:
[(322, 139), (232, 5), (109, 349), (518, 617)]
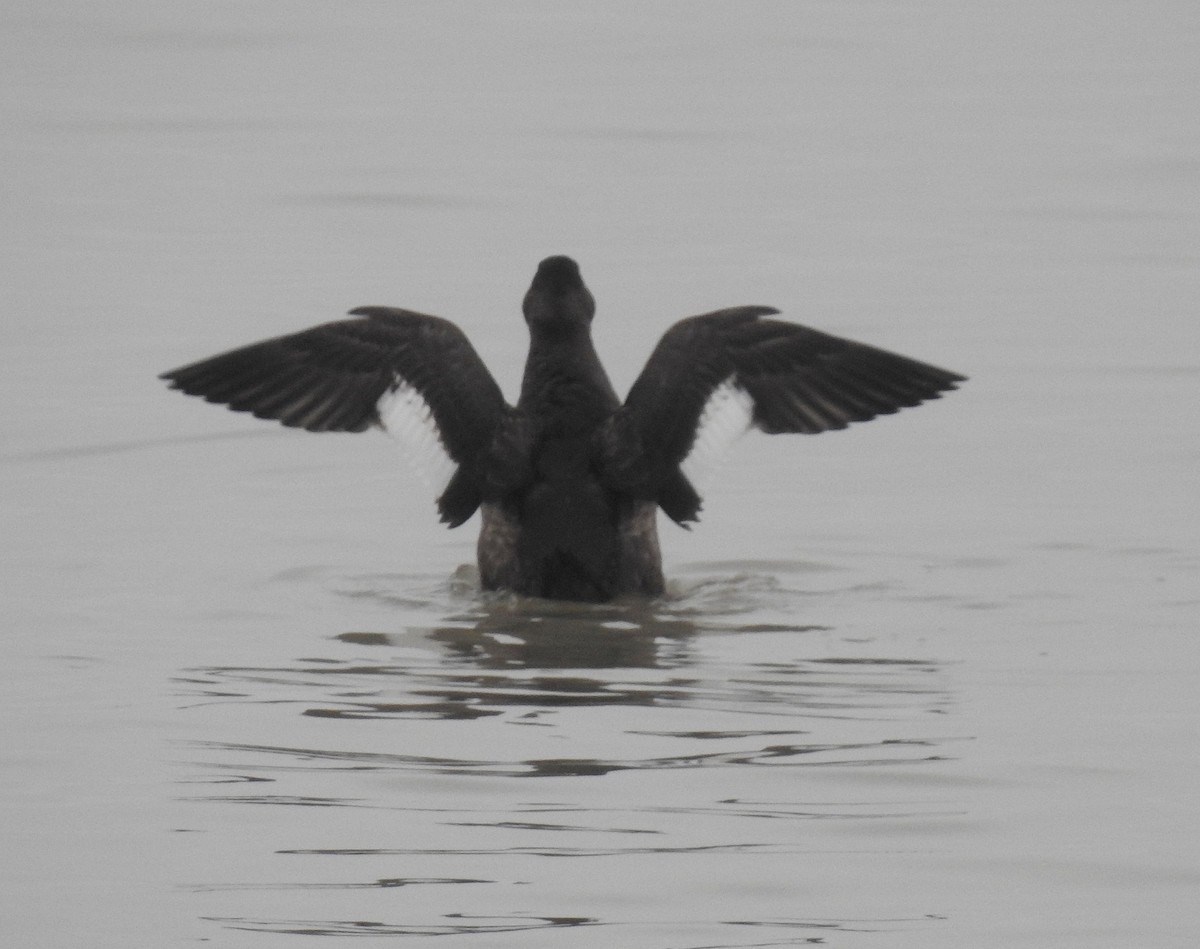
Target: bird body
[(568, 481)]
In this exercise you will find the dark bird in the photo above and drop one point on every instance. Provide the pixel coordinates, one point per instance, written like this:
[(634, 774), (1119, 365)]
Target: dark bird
[(568, 480)]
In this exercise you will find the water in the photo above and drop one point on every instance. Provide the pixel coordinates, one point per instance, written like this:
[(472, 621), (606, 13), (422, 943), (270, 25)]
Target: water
[(930, 681)]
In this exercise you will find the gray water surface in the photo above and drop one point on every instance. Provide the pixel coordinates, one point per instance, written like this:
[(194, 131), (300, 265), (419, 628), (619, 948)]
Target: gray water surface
[(927, 682)]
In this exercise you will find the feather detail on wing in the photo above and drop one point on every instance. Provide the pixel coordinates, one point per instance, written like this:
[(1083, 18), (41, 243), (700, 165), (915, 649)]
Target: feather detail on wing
[(406, 416), (727, 416), (414, 375), (712, 377)]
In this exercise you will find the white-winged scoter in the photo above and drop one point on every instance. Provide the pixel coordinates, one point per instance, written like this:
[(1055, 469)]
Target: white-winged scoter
[(569, 480)]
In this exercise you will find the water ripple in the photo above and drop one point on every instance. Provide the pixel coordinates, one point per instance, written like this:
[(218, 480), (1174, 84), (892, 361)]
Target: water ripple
[(888, 751), (715, 732)]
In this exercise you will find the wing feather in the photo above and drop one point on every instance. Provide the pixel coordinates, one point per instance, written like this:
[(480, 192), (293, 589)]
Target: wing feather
[(715, 375), (343, 376)]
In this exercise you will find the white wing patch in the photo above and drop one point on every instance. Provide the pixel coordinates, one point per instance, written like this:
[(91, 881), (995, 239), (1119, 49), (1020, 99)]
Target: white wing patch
[(405, 415), (726, 417)]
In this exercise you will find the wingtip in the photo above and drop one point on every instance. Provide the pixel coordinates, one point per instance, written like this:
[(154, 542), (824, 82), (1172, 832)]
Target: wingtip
[(751, 311)]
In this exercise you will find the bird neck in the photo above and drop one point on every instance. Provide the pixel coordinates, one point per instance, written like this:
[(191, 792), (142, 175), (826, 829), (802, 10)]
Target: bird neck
[(564, 372)]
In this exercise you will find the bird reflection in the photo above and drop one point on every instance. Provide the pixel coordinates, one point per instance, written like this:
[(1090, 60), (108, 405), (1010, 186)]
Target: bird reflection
[(542, 635), (517, 652), (528, 663), (504, 631), (525, 659)]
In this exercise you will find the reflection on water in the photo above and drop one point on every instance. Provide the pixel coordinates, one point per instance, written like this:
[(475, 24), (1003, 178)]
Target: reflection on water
[(409, 752)]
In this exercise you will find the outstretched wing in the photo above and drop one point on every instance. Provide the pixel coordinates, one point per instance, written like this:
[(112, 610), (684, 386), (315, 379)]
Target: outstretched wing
[(712, 377), (413, 375)]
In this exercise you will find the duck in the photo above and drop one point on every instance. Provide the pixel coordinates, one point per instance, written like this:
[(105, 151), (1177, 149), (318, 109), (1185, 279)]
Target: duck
[(568, 481)]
